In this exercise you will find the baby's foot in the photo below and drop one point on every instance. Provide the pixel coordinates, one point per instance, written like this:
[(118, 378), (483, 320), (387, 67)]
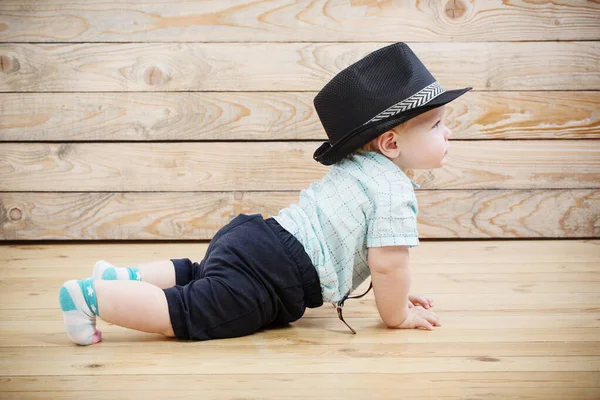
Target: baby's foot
[(103, 270), (80, 308)]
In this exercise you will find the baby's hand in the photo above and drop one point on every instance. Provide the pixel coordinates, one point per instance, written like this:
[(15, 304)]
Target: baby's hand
[(418, 317), (420, 300)]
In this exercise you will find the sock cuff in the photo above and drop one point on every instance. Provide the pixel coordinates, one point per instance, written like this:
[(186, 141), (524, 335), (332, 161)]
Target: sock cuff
[(89, 294), (134, 274)]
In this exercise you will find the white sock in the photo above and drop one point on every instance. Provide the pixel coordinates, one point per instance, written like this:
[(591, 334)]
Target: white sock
[(79, 311), (103, 270)]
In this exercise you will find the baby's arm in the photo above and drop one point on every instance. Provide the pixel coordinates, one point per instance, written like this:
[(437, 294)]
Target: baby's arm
[(390, 274), (391, 277)]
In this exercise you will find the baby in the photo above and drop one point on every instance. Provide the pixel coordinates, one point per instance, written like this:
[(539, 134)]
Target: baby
[(382, 115)]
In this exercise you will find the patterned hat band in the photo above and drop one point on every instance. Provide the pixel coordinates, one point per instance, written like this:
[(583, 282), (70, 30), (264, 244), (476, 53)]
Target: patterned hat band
[(418, 99)]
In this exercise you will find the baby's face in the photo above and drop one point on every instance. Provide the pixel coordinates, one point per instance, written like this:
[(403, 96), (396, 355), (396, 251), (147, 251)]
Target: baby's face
[(424, 142)]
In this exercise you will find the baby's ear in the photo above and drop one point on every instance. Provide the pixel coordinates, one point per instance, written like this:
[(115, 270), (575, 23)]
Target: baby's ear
[(388, 145)]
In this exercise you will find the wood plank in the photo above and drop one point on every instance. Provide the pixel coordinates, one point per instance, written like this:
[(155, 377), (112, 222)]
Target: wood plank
[(318, 333), (466, 328), (44, 328), (254, 384), (233, 390), (442, 214), (281, 166), (125, 67), (72, 361), (233, 21), (459, 257), (274, 116)]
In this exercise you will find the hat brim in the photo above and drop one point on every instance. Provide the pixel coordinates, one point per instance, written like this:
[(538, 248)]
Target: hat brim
[(327, 154)]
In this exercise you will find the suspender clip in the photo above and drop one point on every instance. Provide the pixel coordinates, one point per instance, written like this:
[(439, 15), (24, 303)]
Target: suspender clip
[(338, 306)]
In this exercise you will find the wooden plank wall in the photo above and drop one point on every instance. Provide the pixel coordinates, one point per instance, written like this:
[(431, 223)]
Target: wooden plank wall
[(164, 119)]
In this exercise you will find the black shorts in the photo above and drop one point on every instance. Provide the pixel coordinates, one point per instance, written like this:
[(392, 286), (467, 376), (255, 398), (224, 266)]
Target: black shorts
[(255, 274)]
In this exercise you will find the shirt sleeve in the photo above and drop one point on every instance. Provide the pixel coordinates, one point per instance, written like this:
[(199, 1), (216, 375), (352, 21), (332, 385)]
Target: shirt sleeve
[(393, 221)]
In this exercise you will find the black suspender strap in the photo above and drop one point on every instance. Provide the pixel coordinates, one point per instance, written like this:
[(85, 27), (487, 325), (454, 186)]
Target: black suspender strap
[(338, 306)]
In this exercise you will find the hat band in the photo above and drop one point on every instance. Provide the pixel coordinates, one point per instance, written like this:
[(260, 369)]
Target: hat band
[(418, 99)]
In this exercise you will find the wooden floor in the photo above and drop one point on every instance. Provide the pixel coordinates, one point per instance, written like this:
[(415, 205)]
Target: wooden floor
[(521, 319)]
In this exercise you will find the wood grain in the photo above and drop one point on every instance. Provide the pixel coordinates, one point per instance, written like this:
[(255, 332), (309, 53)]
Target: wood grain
[(233, 390), (328, 331), (494, 341), (126, 67), (505, 256), (27, 361), (20, 326), (357, 20), (281, 166), (282, 390), (325, 331), (198, 215), (356, 384), (274, 116), (521, 318), (328, 334)]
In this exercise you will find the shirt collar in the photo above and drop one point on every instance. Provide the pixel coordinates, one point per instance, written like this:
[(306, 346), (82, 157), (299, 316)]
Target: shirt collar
[(383, 160)]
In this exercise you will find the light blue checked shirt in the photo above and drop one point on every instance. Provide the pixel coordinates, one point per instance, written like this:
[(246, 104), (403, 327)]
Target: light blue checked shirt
[(363, 201)]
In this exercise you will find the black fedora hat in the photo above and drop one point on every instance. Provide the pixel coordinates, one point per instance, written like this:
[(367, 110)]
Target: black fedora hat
[(373, 95)]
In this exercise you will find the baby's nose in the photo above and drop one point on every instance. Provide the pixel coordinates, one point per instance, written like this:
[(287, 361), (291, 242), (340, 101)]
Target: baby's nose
[(447, 133)]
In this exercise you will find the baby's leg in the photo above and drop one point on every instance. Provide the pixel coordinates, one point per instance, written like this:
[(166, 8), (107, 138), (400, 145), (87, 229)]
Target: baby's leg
[(134, 305), (131, 304), (157, 273)]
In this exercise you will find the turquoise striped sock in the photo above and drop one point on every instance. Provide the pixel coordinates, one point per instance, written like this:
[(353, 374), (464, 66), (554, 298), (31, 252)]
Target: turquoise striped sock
[(103, 270), (80, 307)]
